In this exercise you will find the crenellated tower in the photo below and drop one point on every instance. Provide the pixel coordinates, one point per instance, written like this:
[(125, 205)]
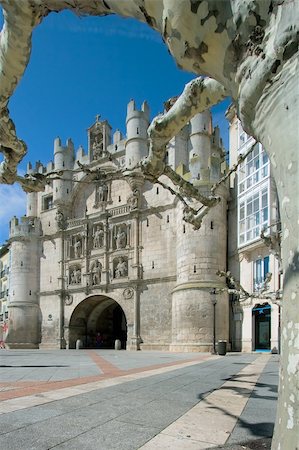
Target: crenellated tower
[(200, 149), (32, 197), (201, 253), (24, 311), (137, 123), (64, 162)]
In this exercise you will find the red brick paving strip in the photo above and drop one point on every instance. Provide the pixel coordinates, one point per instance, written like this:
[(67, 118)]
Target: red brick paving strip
[(23, 388)]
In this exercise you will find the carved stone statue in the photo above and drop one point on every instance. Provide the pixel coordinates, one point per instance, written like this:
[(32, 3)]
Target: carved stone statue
[(97, 147), (77, 247), (96, 271), (121, 269), (60, 220), (103, 192), (133, 199), (75, 275), (121, 238), (98, 238), (78, 276)]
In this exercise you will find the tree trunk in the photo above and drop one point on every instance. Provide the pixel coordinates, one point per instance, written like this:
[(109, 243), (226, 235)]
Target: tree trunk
[(276, 125)]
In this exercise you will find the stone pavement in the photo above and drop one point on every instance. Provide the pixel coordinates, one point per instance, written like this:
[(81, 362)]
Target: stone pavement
[(106, 399)]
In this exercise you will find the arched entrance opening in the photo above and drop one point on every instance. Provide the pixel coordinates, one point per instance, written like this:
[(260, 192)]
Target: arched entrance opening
[(98, 321), (261, 315)]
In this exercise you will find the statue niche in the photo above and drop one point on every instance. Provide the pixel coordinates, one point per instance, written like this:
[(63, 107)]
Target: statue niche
[(95, 272), (97, 144), (120, 267), (101, 193), (134, 199), (77, 246), (75, 275), (120, 237), (98, 236)]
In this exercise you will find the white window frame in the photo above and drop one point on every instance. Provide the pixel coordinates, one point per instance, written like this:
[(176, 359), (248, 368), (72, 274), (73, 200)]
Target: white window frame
[(258, 282), (256, 228), (254, 170)]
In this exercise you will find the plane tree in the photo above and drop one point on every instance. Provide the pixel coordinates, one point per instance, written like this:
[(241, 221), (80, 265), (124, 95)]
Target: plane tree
[(245, 49)]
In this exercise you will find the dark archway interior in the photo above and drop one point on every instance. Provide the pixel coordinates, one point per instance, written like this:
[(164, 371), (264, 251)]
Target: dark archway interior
[(98, 321), (111, 325), (262, 324)]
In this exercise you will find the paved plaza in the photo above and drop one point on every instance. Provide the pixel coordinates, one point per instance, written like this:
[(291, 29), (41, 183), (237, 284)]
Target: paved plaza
[(106, 399)]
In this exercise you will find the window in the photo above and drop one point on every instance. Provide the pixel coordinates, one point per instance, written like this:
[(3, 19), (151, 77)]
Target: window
[(260, 270), (48, 202), (243, 137), (253, 215), (253, 170)]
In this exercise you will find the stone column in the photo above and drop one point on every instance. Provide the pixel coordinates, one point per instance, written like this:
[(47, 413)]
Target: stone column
[(105, 269), (247, 326), (62, 343), (136, 340), (24, 316)]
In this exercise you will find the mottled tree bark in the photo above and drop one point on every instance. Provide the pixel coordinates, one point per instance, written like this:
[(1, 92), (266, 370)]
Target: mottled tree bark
[(250, 50)]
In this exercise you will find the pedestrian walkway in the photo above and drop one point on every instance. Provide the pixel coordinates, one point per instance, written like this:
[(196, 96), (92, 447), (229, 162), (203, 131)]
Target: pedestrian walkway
[(104, 399)]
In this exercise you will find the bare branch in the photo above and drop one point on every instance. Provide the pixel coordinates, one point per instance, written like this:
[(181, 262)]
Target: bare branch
[(198, 95), (234, 287), (234, 168), (273, 242)]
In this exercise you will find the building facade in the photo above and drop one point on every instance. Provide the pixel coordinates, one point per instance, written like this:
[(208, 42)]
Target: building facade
[(254, 210), (103, 255), (4, 291)]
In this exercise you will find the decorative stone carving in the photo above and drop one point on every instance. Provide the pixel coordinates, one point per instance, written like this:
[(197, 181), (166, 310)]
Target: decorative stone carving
[(101, 193), (98, 236), (128, 293), (121, 268), (68, 300), (60, 220), (95, 272), (133, 199), (97, 143), (120, 236), (77, 246), (75, 275)]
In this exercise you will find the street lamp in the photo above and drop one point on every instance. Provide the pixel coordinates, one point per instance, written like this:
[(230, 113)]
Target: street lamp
[(213, 294)]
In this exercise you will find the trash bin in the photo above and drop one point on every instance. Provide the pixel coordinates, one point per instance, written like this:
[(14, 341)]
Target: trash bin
[(222, 348), (117, 344), (79, 344)]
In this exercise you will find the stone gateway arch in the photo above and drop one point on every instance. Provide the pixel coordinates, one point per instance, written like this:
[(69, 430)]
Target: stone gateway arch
[(247, 49), (97, 322)]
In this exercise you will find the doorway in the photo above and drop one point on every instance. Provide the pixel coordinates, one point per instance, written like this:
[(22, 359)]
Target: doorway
[(98, 321), (262, 326)]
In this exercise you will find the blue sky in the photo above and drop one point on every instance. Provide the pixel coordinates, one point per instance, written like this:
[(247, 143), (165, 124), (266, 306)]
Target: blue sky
[(81, 67)]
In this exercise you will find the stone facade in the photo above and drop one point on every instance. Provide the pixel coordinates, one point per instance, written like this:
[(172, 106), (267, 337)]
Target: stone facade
[(255, 322), (110, 257), (4, 291)]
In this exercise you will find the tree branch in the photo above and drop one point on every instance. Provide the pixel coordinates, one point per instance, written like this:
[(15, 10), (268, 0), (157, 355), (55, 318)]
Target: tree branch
[(198, 95)]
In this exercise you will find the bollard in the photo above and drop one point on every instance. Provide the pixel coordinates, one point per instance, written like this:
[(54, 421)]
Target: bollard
[(117, 344), (79, 344)]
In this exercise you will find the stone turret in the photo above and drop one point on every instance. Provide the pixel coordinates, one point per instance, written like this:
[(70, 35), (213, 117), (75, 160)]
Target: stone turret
[(201, 253), (137, 124), (63, 160), (24, 312), (200, 152), (177, 149), (31, 209)]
